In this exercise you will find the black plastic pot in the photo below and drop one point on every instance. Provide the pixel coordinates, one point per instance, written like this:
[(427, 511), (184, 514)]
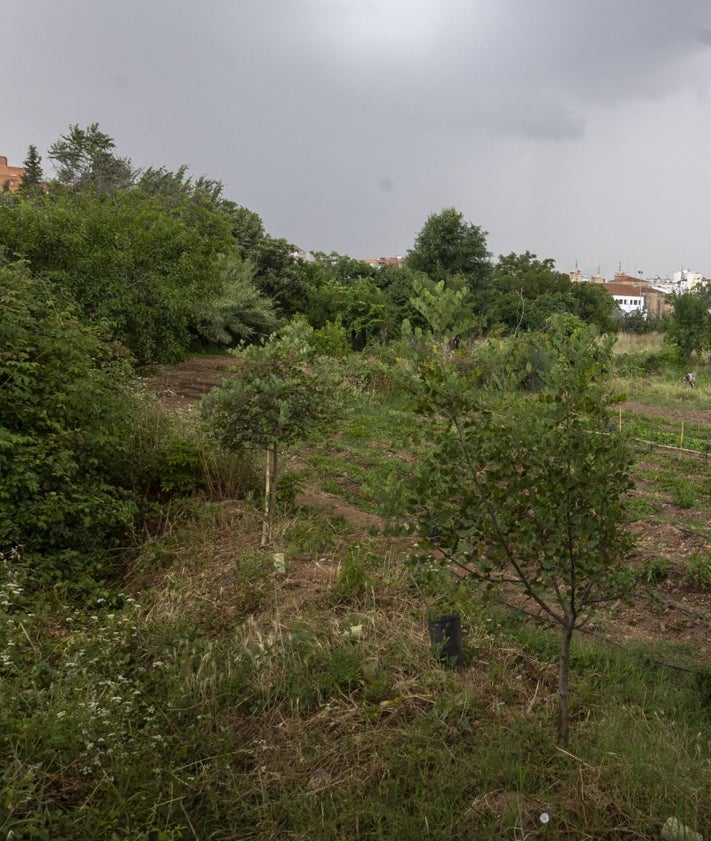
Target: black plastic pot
[(446, 637)]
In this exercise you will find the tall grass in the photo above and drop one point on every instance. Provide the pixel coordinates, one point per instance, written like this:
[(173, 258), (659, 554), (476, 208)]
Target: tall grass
[(638, 343)]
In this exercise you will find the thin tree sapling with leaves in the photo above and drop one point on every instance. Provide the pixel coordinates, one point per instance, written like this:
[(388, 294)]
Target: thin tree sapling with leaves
[(527, 488), (281, 393)]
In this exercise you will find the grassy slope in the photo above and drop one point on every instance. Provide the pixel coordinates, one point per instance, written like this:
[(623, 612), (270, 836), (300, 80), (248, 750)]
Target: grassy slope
[(221, 699)]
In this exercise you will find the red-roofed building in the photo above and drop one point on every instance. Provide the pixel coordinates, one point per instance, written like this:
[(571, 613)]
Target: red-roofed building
[(633, 295)]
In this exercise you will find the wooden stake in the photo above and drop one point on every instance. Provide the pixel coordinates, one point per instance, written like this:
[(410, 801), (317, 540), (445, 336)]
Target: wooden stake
[(270, 484)]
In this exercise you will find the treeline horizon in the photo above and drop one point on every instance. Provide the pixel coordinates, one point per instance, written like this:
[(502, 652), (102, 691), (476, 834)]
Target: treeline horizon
[(168, 265)]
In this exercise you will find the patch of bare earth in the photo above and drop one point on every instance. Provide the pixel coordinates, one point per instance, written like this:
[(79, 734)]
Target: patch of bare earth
[(181, 386), (673, 610), (697, 417)]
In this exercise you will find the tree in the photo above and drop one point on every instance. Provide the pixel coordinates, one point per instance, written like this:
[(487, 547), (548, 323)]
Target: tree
[(247, 228), (32, 178), (444, 306), (240, 312), (280, 394), (527, 489), (282, 275), (447, 245), (363, 312), (397, 284), (594, 304), (85, 159), (147, 263), (689, 327), (525, 292), (343, 268)]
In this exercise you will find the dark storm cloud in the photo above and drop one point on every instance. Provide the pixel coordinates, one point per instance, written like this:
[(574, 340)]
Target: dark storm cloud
[(345, 122), (511, 65)]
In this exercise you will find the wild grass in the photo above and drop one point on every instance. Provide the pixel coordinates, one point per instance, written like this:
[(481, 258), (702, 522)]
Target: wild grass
[(217, 697), (335, 721), (636, 343), (368, 460), (662, 430)]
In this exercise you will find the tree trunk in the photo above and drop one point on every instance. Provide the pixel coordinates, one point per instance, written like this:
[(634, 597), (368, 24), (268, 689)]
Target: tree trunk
[(270, 482), (563, 684)]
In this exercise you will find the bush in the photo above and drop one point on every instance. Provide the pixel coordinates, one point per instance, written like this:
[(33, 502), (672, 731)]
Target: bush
[(640, 364), (64, 419), (331, 340)]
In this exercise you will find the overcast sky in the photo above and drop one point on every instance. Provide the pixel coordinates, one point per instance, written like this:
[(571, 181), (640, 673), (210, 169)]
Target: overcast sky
[(576, 129)]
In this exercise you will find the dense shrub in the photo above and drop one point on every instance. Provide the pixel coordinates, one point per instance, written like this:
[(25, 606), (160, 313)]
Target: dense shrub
[(651, 362), (60, 455)]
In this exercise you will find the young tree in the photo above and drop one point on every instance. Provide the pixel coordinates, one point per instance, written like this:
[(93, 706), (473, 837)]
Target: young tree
[(444, 305), (527, 488), (280, 394)]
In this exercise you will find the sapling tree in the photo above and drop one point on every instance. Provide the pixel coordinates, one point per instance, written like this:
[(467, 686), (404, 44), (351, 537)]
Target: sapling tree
[(527, 488), (280, 393), (445, 305)]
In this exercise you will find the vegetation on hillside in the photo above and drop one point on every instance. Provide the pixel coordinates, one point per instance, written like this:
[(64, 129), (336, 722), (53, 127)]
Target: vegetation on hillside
[(164, 676)]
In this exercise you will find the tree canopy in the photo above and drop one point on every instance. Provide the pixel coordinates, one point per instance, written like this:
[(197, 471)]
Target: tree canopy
[(448, 245), (85, 158), (689, 327), (33, 176)]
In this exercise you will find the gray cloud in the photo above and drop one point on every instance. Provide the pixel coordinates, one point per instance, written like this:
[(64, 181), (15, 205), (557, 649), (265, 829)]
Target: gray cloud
[(344, 123)]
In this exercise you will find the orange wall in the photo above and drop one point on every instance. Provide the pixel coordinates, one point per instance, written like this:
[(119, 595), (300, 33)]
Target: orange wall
[(13, 174)]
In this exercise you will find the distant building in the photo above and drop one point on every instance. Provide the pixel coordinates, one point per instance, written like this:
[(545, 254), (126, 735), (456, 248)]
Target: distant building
[(687, 281), (378, 262), (628, 298), (576, 275), (10, 175), (633, 294), (680, 282)]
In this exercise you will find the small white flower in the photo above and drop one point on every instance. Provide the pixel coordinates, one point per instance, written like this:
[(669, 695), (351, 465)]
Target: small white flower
[(544, 817)]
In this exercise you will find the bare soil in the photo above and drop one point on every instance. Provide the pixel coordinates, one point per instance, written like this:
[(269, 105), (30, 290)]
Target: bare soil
[(689, 416), (673, 610), (181, 386)]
